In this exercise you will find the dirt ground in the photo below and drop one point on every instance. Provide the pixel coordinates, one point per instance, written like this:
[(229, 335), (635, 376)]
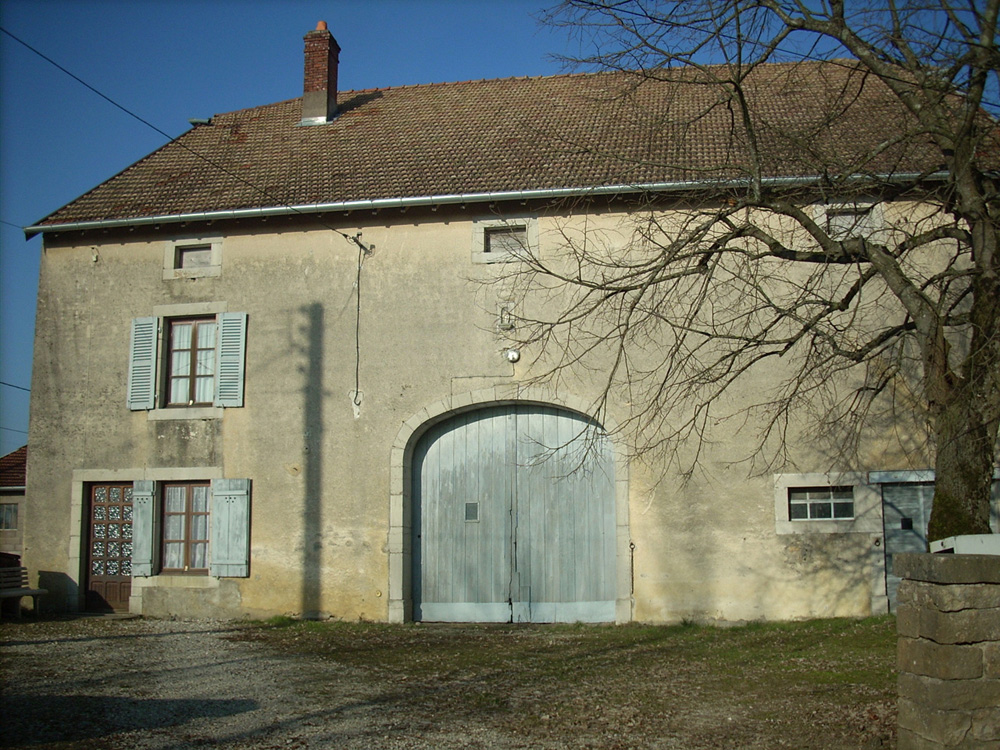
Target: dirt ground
[(131, 683)]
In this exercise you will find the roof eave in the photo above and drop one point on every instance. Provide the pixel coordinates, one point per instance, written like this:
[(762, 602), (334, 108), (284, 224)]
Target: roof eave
[(455, 199)]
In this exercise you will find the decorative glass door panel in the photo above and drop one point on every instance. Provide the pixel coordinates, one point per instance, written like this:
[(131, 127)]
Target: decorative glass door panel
[(109, 550)]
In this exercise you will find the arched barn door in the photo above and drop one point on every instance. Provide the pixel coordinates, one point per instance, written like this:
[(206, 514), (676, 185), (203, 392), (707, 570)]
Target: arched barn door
[(514, 518)]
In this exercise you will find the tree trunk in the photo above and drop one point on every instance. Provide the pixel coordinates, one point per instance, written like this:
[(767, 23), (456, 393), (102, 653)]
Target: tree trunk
[(963, 471)]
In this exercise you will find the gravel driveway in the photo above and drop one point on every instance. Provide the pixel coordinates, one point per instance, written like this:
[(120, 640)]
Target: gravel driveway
[(95, 682), (104, 683)]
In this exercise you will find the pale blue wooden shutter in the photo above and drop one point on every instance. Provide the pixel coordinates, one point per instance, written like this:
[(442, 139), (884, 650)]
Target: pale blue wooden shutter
[(229, 550), (231, 354), (143, 528), (142, 364)]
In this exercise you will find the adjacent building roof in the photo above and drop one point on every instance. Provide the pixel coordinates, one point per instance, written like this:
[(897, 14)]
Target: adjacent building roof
[(12, 468), (483, 139)]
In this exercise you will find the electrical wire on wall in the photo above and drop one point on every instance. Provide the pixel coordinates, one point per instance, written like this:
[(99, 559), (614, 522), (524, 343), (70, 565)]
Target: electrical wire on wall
[(363, 252)]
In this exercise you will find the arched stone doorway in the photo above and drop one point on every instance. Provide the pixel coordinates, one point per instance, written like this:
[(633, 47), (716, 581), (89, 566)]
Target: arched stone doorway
[(509, 510)]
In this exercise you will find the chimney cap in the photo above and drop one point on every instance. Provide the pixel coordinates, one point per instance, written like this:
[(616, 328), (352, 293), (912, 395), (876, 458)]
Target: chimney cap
[(321, 26)]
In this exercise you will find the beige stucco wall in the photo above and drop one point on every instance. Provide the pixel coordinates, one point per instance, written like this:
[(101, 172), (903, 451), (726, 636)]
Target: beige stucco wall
[(325, 476)]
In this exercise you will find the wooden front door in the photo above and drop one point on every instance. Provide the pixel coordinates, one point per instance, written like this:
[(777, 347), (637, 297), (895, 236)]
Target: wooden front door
[(109, 550)]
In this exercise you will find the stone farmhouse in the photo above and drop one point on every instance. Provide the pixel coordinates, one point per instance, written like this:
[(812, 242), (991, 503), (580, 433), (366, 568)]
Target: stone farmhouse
[(268, 378)]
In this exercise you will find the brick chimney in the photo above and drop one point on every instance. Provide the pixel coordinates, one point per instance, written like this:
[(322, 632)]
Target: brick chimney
[(319, 88)]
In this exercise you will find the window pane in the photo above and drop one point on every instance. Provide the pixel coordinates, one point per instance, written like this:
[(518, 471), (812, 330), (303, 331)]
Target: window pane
[(174, 499), (206, 362), (206, 335), (820, 510), (173, 527), (180, 363), (173, 555), (199, 527), (798, 511), (843, 510), (180, 335), (204, 390), (199, 555), (179, 391), (199, 502)]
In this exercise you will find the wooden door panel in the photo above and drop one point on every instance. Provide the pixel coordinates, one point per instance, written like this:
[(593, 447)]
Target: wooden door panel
[(109, 548), (513, 518)]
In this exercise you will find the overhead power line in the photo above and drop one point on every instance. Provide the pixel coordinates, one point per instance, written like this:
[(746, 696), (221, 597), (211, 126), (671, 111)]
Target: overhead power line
[(19, 387), (79, 80), (166, 135)]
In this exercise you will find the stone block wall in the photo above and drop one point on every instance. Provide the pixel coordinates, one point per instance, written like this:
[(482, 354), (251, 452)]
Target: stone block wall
[(948, 620)]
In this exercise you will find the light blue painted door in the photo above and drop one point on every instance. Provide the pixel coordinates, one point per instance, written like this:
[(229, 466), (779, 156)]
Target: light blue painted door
[(514, 518), (906, 511)]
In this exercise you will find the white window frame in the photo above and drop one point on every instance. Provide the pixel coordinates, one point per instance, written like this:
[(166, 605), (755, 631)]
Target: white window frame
[(867, 504), (481, 227), (170, 253), (826, 498)]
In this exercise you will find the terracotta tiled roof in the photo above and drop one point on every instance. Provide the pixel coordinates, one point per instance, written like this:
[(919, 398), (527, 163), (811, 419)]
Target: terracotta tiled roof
[(12, 468), (569, 131)]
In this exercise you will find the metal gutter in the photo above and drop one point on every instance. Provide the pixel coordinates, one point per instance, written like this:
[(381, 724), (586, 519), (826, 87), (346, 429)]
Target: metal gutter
[(452, 199)]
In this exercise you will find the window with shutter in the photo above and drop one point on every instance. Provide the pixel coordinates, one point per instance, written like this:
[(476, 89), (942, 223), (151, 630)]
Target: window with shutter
[(205, 528), (203, 362)]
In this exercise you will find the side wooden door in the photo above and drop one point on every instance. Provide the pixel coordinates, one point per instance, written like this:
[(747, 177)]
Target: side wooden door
[(109, 548)]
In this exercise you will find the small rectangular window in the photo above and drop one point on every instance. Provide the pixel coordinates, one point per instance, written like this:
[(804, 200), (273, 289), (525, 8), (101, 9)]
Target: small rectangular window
[(193, 256), (849, 221), (472, 511), (820, 503), (505, 239), (8, 516)]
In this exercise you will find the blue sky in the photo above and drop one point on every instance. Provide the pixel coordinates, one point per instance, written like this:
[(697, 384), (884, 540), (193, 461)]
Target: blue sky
[(171, 60)]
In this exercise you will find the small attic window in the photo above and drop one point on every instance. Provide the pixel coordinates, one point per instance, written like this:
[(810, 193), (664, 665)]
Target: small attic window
[(193, 256), (499, 240), (844, 221), (505, 239)]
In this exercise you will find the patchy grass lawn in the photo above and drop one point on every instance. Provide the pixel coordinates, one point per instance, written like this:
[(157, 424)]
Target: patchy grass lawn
[(819, 684)]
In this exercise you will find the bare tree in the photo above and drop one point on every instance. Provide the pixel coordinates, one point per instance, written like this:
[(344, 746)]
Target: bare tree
[(861, 256)]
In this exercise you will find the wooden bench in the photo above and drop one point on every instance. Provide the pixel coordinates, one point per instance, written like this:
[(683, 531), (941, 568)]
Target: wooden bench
[(14, 585)]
